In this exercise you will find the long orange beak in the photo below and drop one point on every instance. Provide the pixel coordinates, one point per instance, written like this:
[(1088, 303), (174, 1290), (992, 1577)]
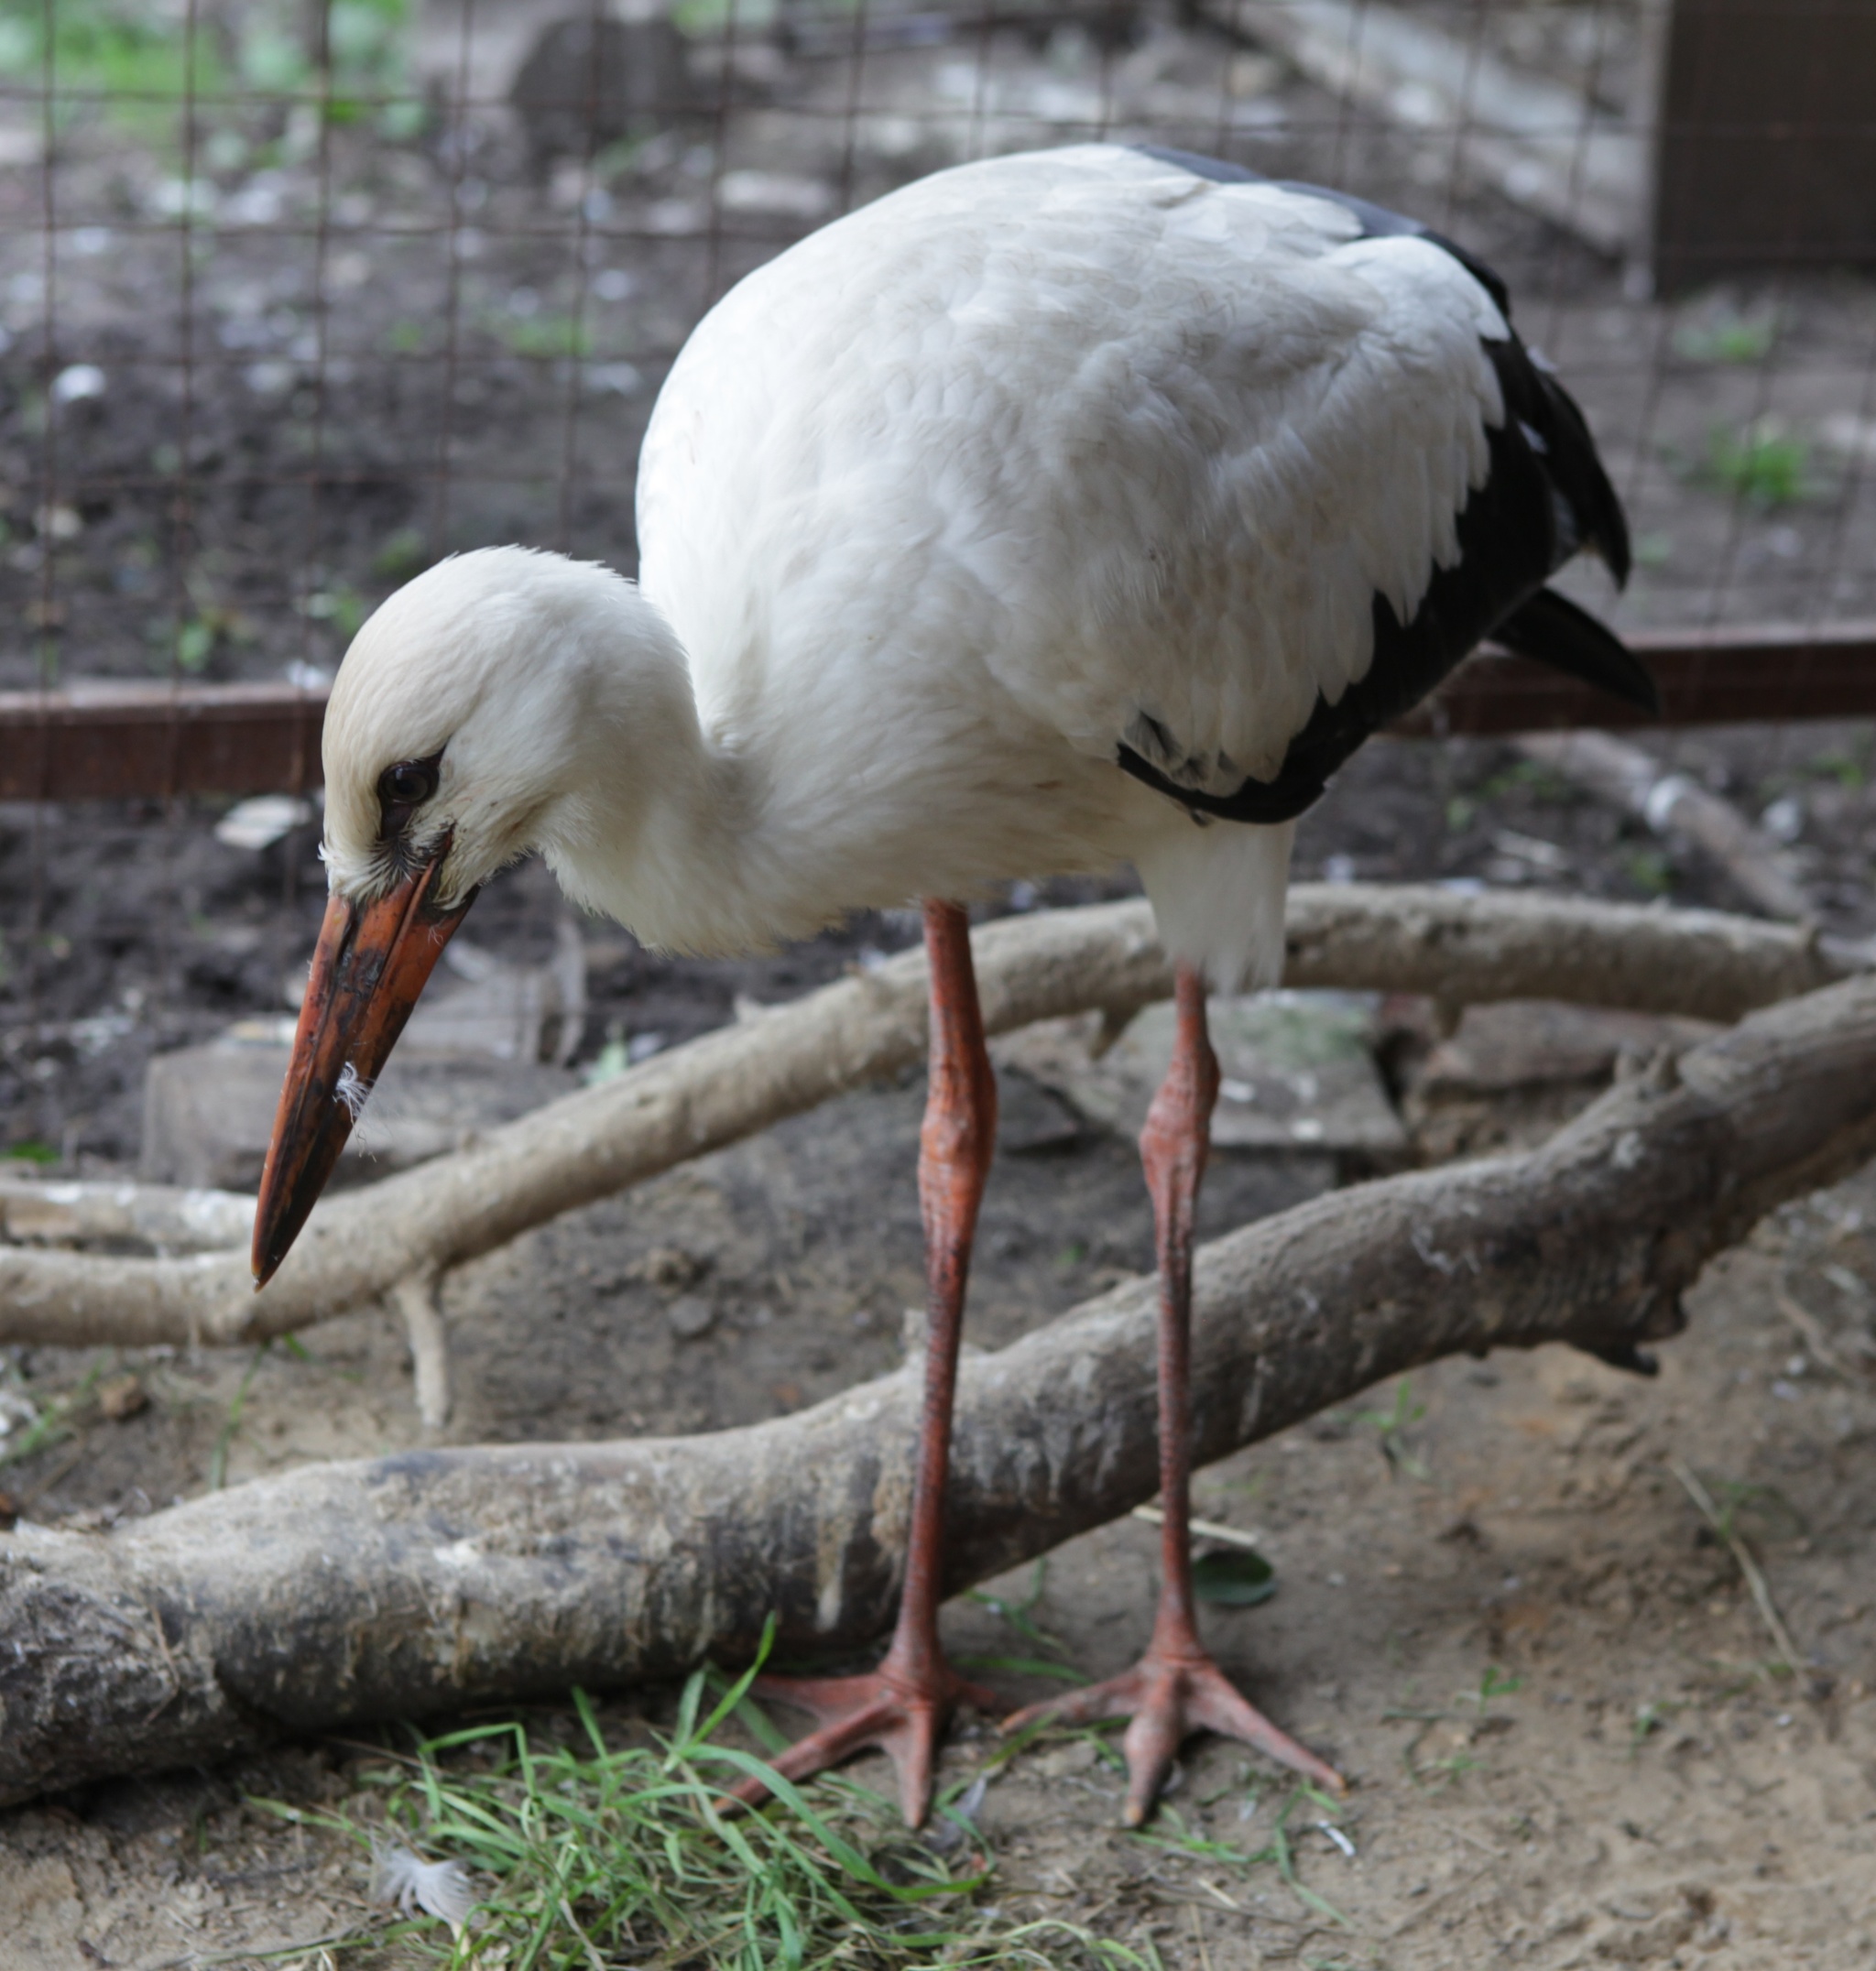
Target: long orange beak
[(370, 965)]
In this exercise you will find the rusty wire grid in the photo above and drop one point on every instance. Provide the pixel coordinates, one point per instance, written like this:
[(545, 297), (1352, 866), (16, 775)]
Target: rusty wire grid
[(298, 295), (297, 298)]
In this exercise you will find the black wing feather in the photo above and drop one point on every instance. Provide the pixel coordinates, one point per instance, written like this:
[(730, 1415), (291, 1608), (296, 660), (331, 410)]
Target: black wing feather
[(1553, 629), (1545, 497)]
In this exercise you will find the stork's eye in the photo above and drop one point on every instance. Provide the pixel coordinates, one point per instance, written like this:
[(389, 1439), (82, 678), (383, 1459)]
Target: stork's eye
[(404, 788)]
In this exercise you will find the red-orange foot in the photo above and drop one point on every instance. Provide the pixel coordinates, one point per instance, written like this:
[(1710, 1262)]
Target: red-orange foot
[(898, 1711), (1169, 1695)]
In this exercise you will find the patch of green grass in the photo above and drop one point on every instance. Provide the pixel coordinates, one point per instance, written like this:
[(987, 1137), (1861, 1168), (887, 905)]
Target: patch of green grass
[(1762, 465), (1648, 869), (139, 64), (610, 1062), (543, 336), (135, 59), (1725, 335), (1532, 777), (33, 1152), (590, 1855), (366, 72), (705, 18), (1846, 769), (195, 643), (190, 644), (404, 554), (340, 605), (1653, 550)]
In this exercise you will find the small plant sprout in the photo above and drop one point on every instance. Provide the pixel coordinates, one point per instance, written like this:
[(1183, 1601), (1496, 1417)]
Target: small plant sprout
[(1443, 1771), (48, 1422), (1763, 465), (1495, 1682), (1054, 1663), (1170, 1832), (1467, 1724), (1650, 1718), (1725, 335), (1393, 1426), (231, 1422), (1650, 870)]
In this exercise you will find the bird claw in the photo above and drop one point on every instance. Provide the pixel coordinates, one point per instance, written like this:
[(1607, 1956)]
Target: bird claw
[(897, 1711), (1169, 1695)]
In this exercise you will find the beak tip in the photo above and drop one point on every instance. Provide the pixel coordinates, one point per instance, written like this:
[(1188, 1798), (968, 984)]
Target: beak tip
[(265, 1262)]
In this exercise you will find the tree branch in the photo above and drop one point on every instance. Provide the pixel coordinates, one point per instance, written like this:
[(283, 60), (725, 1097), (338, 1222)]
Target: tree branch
[(1677, 808), (741, 1079), (434, 1579)]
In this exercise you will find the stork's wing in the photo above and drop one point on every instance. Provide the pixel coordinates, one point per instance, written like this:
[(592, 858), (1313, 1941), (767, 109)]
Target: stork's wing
[(1212, 476), (1545, 498)]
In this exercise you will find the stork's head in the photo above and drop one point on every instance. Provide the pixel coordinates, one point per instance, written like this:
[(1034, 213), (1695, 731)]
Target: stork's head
[(472, 710)]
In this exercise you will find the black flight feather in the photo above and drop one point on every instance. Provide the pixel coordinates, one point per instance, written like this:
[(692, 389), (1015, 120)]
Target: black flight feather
[(1545, 497), (1550, 628)]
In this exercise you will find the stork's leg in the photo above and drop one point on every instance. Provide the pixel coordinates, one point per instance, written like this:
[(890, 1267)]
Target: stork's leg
[(903, 1705), (1176, 1688)]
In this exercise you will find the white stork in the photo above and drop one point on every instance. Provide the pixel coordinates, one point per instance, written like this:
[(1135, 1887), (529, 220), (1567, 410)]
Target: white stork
[(1056, 512)]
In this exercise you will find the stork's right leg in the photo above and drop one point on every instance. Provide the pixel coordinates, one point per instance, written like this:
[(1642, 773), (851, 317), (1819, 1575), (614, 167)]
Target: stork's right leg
[(902, 1706), (1176, 1688)]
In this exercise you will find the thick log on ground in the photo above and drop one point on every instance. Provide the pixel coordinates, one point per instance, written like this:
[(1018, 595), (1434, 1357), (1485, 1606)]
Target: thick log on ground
[(730, 1084), (436, 1579)]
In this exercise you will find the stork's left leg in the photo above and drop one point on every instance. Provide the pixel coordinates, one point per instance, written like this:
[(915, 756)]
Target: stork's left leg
[(902, 1706), (1176, 1688)]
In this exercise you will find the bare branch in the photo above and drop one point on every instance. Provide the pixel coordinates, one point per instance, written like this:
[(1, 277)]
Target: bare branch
[(741, 1079), (1676, 808)]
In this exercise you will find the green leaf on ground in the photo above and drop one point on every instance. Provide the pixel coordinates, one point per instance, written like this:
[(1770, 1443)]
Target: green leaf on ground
[(1237, 1580)]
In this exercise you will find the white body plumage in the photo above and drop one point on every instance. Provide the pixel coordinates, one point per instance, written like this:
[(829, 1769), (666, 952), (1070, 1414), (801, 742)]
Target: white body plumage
[(1033, 460)]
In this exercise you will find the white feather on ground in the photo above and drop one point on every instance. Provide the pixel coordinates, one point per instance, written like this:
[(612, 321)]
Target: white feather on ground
[(441, 1889)]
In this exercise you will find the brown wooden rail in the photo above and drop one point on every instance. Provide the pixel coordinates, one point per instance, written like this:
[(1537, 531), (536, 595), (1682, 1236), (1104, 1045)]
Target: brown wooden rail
[(105, 741), (1767, 675), (102, 741)]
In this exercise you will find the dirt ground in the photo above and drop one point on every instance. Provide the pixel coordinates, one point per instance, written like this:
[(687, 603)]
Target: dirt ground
[(1507, 1624), (1647, 1791)]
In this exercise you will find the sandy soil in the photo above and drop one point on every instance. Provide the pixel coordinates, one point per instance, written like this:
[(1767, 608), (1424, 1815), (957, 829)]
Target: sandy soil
[(1548, 1683)]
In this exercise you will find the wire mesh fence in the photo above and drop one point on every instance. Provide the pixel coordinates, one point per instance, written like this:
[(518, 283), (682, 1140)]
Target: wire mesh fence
[(298, 296)]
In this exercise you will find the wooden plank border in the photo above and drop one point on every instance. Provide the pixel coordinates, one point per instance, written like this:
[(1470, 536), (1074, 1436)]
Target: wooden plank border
[(102, 741)]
